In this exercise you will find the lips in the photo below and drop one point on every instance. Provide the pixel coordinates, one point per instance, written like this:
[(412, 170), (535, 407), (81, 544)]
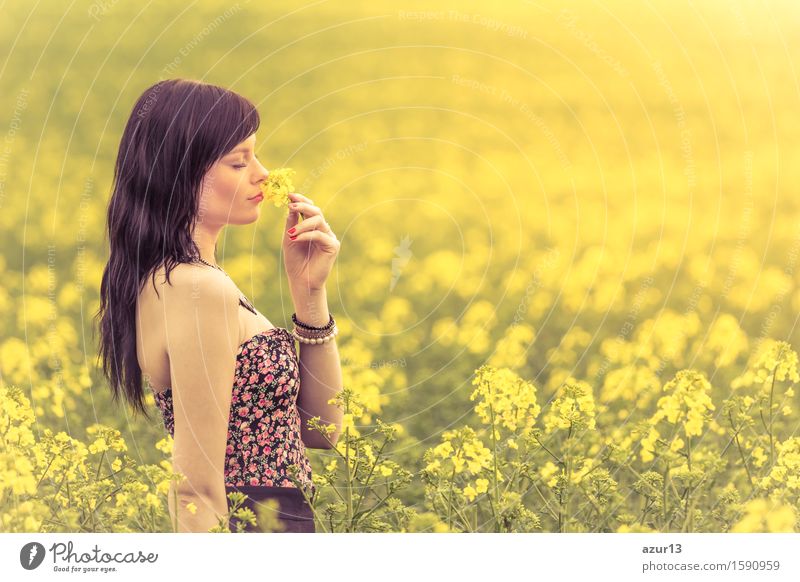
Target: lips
[(256, 195)]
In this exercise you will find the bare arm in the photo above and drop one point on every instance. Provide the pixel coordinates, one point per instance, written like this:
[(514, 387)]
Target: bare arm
[(202, 329), (320, 370)]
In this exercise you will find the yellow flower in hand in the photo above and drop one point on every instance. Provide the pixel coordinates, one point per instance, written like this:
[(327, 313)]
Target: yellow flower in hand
[(277, 186)]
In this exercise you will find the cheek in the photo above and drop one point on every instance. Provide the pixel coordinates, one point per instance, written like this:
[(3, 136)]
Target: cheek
[(223, 189), (223, 198), (228, 183)]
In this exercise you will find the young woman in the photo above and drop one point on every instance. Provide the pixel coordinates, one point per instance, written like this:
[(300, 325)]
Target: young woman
[(230, 385)]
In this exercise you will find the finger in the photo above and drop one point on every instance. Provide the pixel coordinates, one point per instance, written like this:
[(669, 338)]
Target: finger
[(312, 223), (304, 207), (326, 241), (297, 197), (292, 219)]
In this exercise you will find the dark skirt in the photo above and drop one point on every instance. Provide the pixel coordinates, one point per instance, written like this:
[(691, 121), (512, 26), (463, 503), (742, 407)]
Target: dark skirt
[(294, 512)]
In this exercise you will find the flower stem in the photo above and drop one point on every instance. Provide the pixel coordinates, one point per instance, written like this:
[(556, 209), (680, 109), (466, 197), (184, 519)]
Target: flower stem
[(349, 491), (741, 453), (495, 484), (771, 443)]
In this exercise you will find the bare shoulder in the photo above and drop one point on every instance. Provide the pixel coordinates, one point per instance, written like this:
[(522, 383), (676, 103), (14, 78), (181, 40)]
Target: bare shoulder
[(198, 285), (201, 311)]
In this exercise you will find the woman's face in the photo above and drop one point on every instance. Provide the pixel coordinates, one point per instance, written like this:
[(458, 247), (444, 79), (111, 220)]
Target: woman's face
[(229, 187)]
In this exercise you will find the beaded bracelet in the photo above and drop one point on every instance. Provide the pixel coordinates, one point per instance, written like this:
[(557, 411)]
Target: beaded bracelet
[(327, 326), (312, 334), (316, 340)]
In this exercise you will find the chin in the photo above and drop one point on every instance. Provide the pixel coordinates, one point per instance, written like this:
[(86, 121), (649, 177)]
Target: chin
[(243, 219)]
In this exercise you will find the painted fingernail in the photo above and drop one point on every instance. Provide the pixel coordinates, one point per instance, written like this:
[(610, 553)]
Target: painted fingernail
[(293, 237), (291, 230)]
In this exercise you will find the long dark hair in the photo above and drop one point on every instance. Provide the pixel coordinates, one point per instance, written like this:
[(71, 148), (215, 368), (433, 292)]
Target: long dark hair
[(177, 130)]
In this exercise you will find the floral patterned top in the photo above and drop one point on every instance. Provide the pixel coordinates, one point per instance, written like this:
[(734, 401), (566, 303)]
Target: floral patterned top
[(264, 423)]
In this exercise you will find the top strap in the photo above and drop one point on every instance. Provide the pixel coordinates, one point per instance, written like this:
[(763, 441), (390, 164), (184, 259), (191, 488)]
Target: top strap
[(247, 305)]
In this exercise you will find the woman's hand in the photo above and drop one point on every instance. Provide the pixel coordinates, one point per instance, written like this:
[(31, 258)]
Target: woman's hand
[(309, 248)]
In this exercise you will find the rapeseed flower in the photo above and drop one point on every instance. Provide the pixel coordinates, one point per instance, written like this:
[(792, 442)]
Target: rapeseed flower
[(505, 398), (786, 470), (574, 408), (687, 401), (774, 360), (278, 186), (460, 450)]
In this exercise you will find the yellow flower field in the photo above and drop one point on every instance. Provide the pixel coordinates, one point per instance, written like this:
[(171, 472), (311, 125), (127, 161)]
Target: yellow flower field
[(568, 286)]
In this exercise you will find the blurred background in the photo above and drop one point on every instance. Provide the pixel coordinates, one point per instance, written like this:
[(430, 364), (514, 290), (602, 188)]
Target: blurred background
[(564, 189)]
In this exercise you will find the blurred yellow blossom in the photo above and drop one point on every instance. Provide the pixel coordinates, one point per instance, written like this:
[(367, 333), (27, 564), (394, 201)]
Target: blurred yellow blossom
[(774, 360), (766, 516)]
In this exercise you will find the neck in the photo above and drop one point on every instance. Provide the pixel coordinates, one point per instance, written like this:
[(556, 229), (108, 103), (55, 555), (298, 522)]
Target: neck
[(205, 237)]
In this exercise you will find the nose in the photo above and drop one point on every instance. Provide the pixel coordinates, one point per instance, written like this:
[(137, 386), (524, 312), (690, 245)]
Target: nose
[(263, 174)]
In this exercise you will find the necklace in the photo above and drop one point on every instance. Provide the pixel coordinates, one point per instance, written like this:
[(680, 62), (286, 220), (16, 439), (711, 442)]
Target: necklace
[(245, 301)]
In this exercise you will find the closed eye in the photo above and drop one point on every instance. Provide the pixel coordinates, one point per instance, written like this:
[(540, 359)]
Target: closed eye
[(240, 166)]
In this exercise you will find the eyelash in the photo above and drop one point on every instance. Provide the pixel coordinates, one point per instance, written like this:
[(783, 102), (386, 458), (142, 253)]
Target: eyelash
[(240, 166)]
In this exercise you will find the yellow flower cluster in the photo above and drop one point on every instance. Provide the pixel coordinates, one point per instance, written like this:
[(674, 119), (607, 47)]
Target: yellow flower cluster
[(472, 491), (505, 399), (460, 449), (774, 360), (667, 335), (633, 383), (573, 409), (688, 400), (474, 331), (107, 439), (55, 484), (648, 445), (441, 280), (726, 340), (570, 346), (512, 349), (766, 516), (278, 185), (548, 473), (786, 471), (759, 456)]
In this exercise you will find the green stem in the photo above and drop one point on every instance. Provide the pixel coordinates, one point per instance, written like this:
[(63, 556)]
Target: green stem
[(664, 497), (565, 500), (645, 509), (495, 484), (369, 476), (741, 452), (45, 471), (175, 501), (100, 464), (464, 520), (546, 502), (317, 518), (771, 443), (560, 462), (349, 491), (452, 480)]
